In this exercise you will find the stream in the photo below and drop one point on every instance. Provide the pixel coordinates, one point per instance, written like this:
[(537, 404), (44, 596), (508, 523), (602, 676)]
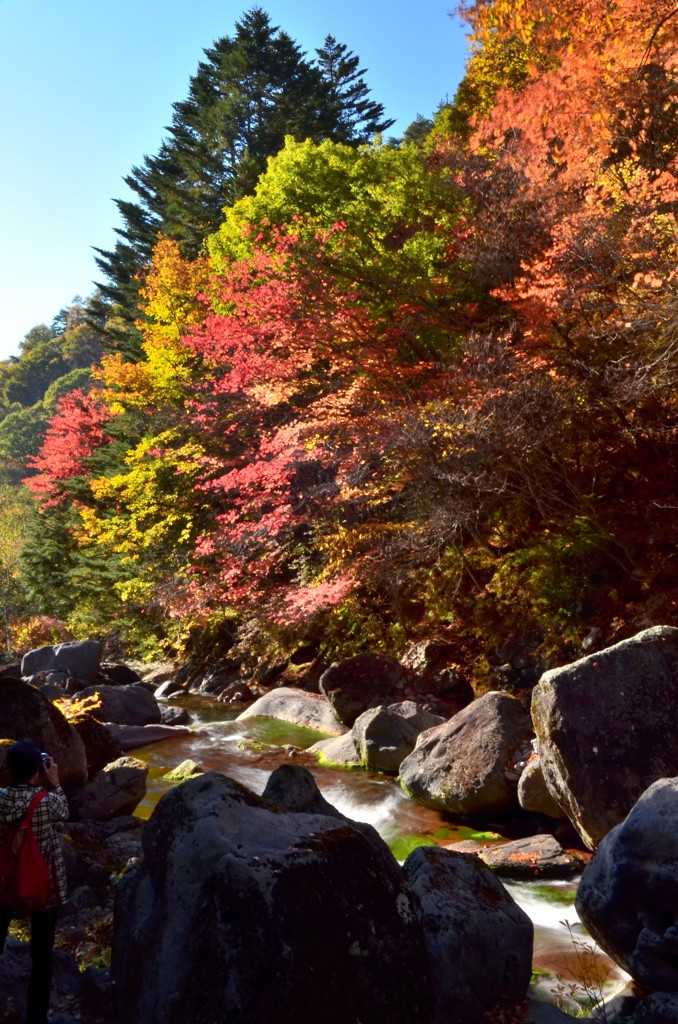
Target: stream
[(568, 968)]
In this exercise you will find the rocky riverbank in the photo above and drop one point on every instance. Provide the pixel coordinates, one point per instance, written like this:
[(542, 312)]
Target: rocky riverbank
[(221, 880)]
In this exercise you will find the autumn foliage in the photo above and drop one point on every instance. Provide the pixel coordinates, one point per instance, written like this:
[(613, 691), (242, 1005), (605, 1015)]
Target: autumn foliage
[(413, 391)]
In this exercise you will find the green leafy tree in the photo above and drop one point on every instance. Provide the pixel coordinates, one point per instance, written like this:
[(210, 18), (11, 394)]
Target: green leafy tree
[(15, 508), (252, 90)]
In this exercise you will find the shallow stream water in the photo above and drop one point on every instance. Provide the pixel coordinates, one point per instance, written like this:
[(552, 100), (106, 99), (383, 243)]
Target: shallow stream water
[(567, 967)]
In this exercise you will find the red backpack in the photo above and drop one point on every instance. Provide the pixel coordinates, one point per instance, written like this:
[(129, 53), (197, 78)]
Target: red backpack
[(25, 879)]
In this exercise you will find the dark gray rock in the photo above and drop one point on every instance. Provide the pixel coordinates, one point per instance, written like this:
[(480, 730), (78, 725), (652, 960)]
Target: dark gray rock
[(384, 736), (629, 1008), (601, 723), (293, 788), (79, 658), (116, 790), (124, 705), (361, 682), (478, 940), (26, 713), (118, 674), (244, 913), (174, 715), (460, 767), (628, 894)]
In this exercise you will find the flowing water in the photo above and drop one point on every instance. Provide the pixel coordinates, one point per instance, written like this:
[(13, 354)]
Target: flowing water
[(567, 968)]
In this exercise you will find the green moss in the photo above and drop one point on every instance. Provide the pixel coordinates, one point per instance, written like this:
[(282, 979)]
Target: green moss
[(326, 762), (539, 972), (273, 732), (555, 894), (402, 846)]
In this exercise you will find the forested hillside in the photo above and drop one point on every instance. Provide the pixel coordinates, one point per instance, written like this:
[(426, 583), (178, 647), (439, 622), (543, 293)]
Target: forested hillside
[(340, 392)]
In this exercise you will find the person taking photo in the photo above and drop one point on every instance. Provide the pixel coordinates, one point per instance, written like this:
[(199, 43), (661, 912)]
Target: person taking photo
[(31, 771)]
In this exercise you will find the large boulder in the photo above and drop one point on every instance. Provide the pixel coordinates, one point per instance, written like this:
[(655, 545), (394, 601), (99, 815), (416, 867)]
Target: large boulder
[(100, 747), (461, 766), (25, 713), (80, 659), (384, 736), (123, 705), (478, 940), (244, 912), (602, 728), (628, 894), (297, 707), (361, 682), (114, 791)]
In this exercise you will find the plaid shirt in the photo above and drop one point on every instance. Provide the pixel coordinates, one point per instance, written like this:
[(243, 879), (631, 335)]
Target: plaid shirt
[(14, 802)]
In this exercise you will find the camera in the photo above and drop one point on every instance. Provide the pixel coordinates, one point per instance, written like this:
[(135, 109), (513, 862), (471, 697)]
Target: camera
[(46, 760)]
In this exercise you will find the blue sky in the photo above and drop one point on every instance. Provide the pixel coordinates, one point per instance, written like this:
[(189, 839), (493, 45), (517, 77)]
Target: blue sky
[(86, 89)]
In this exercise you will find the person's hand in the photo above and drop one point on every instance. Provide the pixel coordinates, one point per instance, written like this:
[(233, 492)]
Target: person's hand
[(52, 773)]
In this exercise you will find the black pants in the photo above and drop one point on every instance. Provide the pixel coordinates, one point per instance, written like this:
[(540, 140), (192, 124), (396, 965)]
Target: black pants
[(43, 925)]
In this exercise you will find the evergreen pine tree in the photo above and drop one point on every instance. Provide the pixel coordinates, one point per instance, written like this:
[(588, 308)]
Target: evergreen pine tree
[(351, 116), (249, 93)]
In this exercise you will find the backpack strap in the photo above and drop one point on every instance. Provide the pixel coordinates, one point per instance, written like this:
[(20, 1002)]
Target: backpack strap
[(37, 799)]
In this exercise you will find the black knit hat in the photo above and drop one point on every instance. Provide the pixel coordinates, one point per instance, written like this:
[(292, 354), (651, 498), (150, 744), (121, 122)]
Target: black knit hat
[(24, 759)]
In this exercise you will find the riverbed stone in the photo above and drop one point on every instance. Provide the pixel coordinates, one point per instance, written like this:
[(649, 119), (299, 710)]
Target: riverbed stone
[(603, 728), (361, 682), (26, 713), (533, 793), (338, 750), (460, 766), (131, 736), (384, 736), (628, 893), (627, 1007), (246, 913), (173, 715), (118, 674), (187, 769), (114, 791), (539, 856), (478, 940), (167, 688), (123, 705), (298, 707)]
